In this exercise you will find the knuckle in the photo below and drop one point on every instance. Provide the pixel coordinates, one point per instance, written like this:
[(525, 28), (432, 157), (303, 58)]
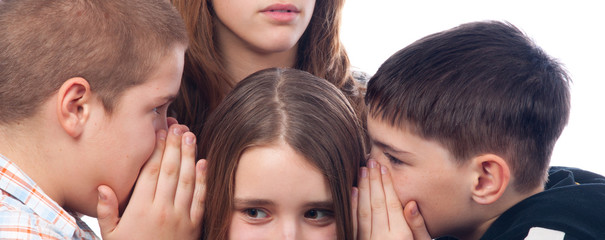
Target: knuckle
[(364, 214), (395, 205), (378, 204), (186, 182), (170, 169), (154, 169)]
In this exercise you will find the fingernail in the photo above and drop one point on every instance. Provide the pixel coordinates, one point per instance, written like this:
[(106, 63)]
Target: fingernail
[(189, 139), (372, 164), (364, 172), (414, 210), (177, 131), (355, 192), (383, 170), (162, 135), (203, 165), (102, 196)]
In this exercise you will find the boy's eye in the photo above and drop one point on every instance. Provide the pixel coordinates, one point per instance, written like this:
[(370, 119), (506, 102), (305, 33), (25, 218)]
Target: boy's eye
[(392, 159), (160, 109), (255, 213)]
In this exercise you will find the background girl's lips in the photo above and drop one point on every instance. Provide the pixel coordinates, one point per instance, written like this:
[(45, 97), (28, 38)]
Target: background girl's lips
[(281, 12), (281, 8)]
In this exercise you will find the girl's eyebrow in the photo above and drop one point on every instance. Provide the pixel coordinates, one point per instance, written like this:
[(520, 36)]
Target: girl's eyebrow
[(329, 204), (253, 202)]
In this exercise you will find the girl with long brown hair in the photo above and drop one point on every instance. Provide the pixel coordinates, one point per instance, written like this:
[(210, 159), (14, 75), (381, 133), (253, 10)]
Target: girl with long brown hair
[(283, 150), (231, 39)]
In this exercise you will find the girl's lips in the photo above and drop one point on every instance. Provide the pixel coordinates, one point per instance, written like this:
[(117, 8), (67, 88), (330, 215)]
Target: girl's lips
[(282, 13), (278, 7)]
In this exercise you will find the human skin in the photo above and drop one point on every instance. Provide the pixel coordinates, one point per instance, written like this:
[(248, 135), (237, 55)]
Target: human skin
[(263, 25), (254, 35), (129, 132), (99, 156), (280, 195), (167, 201), (422, 171)]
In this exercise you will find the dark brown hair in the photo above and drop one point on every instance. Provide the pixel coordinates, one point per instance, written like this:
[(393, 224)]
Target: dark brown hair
[(112, 44), (310, 114), (205, 81), (482, 87)]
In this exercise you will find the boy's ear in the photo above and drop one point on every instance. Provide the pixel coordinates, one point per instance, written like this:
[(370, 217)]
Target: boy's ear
[(492, 176), (73, 105)]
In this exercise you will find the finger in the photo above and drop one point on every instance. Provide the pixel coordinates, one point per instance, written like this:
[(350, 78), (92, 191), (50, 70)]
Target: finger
[(394, 208), (170, 121), (148, 178), (170, 168), (107, 210), (380, 218), (354, 203), (186, 182), (364, 208), (416, 221), (199, 195)]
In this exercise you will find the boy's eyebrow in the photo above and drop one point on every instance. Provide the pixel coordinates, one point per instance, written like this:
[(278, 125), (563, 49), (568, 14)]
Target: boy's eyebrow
[(388, 147), (168, 98), (253, 202)]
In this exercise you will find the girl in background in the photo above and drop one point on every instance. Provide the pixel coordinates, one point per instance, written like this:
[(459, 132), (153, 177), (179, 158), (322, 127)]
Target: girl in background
[(283, 150), (231, 39)]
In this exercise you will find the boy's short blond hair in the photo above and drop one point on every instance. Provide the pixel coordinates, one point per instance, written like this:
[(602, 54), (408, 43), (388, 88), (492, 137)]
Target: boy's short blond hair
[(114, 45)]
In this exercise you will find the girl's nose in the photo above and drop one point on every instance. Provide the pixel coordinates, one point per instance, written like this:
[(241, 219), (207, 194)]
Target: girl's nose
[(290, 230)]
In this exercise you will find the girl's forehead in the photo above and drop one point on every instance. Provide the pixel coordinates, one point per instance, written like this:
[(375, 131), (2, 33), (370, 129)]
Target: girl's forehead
[(279, 173)]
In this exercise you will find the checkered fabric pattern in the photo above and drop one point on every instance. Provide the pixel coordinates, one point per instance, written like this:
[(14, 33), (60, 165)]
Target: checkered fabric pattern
[(26, 212)]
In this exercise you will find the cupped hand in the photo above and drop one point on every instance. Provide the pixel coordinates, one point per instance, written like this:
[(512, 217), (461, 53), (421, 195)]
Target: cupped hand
[(379, 214), (168, 198)]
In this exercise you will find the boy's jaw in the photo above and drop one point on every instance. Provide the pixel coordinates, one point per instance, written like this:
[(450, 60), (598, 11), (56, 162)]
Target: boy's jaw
[(425, 173)]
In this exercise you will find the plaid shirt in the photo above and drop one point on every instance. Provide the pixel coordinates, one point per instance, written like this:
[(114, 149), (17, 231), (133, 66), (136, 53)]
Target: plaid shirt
[(26, 212)]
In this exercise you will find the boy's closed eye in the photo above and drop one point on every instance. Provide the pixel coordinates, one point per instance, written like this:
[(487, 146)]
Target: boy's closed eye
[(393, 160)]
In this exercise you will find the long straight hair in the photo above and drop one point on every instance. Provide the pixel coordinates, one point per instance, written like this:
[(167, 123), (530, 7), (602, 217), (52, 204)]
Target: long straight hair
[(205, 79), (310, 114)]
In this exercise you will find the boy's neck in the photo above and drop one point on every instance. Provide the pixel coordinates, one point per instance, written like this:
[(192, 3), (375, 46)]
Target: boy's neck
[(493, 211), (241, 61), (25, 143), (20, 142)]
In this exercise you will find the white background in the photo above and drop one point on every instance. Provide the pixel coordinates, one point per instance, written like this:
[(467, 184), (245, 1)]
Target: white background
[(571, 31)]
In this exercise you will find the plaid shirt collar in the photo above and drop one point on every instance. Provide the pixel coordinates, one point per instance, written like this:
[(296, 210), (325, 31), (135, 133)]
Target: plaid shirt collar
[(16, 183)]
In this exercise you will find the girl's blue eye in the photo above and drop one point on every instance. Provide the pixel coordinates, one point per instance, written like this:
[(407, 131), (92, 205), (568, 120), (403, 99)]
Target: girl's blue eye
[(156, 110), (255, 213), (318, 214)]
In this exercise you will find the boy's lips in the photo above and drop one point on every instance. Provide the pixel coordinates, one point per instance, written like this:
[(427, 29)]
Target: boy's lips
[(281, 12)]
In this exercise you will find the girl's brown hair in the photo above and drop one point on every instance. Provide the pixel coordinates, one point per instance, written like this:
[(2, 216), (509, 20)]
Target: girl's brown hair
[(308, 113), (205, 81)]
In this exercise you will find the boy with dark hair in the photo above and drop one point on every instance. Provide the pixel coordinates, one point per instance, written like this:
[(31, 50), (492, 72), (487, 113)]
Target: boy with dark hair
[(84, 90), (463, 123)]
